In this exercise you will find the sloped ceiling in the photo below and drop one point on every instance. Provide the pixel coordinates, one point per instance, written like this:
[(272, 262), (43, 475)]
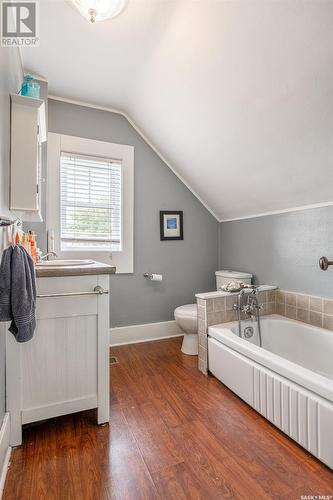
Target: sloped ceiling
[(237, 95)]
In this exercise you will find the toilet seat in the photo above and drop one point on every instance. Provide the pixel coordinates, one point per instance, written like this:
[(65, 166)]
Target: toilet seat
[(186, 317), (188, 310)]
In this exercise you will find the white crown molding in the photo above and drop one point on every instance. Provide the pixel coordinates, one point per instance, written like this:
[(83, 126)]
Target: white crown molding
[(143, 136), (87, 104), (284, 211), (164, 159)]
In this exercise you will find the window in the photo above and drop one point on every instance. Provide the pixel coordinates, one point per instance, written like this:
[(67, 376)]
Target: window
[(90, 202)]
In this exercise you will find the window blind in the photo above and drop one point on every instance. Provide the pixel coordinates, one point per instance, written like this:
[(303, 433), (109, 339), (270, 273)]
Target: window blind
[(91, 190)]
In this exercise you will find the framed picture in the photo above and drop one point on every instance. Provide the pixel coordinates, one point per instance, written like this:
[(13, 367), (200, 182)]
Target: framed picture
[(171, 225)]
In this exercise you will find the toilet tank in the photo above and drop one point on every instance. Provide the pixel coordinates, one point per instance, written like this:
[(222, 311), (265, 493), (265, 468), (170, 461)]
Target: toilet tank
[(224, 277)]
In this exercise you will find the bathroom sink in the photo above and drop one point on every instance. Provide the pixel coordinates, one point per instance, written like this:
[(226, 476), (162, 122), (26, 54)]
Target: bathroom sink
[(64, 263)]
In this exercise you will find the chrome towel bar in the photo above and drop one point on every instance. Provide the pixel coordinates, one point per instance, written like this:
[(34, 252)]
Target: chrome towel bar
[(4, 222), (98, 290)]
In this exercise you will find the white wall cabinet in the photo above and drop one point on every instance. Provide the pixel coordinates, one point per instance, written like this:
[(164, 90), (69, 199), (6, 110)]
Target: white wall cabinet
[(28, 132), (65, 367)]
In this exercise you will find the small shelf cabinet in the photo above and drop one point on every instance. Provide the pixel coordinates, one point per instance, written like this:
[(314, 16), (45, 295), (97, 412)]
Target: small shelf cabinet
[(28, 132)]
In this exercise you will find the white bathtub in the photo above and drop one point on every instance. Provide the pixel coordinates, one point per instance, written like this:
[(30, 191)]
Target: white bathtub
[(289, 380)]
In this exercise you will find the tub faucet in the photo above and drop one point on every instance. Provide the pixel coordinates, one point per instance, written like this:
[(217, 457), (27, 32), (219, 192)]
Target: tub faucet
[(250, 308)]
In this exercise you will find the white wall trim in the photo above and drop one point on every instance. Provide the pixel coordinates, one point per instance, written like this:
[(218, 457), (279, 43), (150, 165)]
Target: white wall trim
[(87, 105), (135, 334), (5, 450), (163, 158), (284, 211), (144, 137)]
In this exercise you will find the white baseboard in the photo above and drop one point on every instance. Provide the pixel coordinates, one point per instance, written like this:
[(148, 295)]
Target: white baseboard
[(144, 333), (5, 451)]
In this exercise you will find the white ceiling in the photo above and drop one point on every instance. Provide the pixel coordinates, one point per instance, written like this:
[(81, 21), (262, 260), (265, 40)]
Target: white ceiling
[(237, 95)]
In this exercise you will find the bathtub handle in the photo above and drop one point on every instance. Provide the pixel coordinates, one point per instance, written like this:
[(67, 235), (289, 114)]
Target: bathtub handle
[(324, 263)]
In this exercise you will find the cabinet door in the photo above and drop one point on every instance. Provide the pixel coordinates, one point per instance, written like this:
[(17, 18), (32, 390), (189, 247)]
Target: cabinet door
[(28, 132), (59, 365), (63, 351), (24, 158)]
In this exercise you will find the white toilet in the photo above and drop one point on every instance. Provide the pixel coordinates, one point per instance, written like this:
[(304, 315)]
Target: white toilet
[(186, 316)]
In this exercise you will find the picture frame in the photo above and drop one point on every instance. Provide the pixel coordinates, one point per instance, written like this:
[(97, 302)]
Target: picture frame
[(171, 225)]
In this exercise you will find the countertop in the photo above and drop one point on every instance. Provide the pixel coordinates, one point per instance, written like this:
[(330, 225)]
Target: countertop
[(221, 293), (81, 270)]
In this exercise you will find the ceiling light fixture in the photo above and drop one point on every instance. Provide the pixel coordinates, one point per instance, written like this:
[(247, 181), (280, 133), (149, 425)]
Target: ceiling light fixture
[(99, 10)]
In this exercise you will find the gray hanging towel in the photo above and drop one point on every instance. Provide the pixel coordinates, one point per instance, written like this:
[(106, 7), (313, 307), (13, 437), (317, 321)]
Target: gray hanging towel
[(23, 295), (5, 285)]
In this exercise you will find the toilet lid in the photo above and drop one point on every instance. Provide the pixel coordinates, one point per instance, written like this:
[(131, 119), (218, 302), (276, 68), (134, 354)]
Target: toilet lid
[(188, 310), (233, 274)]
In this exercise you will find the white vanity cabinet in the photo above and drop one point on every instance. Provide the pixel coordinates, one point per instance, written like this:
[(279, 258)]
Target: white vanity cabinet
[(28, 132), (65, 367)]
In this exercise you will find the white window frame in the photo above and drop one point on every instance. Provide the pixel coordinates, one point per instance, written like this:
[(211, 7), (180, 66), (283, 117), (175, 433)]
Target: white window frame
[(123, 260)]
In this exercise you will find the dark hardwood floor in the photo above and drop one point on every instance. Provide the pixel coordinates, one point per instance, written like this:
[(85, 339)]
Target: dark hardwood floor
[(174, 434)]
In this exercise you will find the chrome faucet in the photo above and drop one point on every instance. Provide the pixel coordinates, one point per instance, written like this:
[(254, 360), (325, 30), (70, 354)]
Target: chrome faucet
[(250, 309), (43, 257)]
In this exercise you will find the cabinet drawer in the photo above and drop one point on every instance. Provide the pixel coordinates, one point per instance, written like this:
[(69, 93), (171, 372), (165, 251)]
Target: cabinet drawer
[(68, 306), (65, 307)]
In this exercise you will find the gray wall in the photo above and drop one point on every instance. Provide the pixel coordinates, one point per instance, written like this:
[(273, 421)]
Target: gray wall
[(10, 79), (282, 249), (188, 266)]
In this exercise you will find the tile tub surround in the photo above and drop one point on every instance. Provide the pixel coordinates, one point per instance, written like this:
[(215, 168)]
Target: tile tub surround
[(214, 308), (217, 307), (316, 311)]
